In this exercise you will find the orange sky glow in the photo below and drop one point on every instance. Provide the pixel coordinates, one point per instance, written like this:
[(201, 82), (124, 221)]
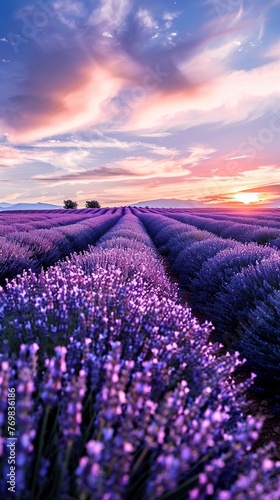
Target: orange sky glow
[(128, 101)]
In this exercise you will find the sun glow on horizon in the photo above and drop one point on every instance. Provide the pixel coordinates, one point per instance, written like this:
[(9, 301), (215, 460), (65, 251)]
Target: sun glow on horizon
[(247, 198)]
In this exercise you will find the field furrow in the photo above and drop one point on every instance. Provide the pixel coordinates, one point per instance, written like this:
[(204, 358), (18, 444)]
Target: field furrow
[(119, 392), (42, 247), (228, 228), (234, 285)]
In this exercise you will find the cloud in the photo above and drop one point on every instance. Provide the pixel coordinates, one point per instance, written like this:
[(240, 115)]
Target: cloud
[(208, 102), (62, 91), (70, 12), (273, 189), (129, 168), (274, 51), (101, 173), (169, 17), (111, 13), (146, 19), (238, 157), (10, 157), (104, 143), (105, 72), (77, 75), (198, 154), (70, 159), (71, 7), (266, 193), (156, 134), (228, 11)]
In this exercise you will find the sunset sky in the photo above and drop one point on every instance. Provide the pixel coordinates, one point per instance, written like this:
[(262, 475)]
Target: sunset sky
[(129, 100)]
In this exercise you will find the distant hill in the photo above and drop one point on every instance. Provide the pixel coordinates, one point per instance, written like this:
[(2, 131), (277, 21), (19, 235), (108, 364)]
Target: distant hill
[(169, 203), (28, 206), (3, 204)]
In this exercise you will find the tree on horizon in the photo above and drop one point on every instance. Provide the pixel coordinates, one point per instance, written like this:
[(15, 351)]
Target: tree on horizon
[(70, 204), (93, 204)]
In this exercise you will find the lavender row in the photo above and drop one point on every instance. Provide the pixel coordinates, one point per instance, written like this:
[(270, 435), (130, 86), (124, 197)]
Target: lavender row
[(260, 220), (23, 221), (256, 213), (243, 233), (119, 394), (44, 247), (234, 285)]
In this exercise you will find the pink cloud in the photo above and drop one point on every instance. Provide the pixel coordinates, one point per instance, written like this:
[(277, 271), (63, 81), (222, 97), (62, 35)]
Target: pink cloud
[(68, 106), (128, 168), (10, 157), (231, 97), (90, 79)]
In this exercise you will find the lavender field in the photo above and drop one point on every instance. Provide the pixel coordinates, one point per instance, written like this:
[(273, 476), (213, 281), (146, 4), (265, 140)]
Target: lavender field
[(114, 389)]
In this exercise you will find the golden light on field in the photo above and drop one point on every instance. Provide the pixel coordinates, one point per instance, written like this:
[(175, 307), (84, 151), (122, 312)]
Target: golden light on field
[(247, 197)]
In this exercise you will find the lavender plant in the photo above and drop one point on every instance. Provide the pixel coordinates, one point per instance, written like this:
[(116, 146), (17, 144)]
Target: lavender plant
[(244, 233), (225, 280), (125, 396), (35, 248), (216, 272), (190, 261), (246, 300)]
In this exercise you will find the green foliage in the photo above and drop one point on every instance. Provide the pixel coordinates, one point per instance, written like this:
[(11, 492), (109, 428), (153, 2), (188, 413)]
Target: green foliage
[(70, 204), (93, 204)]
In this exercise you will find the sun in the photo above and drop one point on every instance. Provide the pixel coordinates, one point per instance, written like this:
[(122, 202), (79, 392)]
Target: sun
[(246, 197)]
